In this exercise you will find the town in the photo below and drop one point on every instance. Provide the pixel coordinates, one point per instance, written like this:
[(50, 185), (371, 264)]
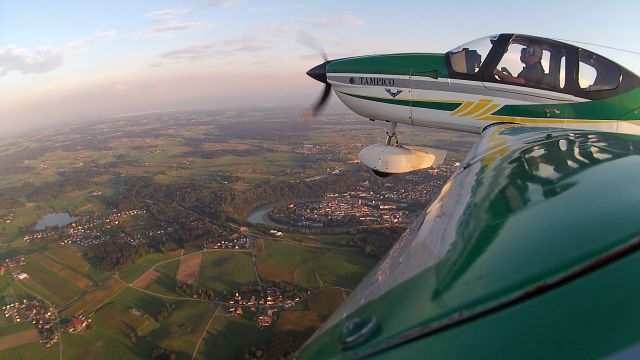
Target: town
[(87, 231)]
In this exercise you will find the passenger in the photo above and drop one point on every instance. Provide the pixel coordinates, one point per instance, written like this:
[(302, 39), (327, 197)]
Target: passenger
[(531, 74)]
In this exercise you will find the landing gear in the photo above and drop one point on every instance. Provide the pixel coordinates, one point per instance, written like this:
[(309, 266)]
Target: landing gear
[(391, 134)]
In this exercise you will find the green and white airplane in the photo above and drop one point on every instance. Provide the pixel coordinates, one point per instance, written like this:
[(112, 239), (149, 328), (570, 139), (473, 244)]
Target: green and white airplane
[(532, 250)]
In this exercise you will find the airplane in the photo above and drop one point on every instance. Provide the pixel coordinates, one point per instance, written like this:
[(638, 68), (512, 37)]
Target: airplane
[(532, 249)]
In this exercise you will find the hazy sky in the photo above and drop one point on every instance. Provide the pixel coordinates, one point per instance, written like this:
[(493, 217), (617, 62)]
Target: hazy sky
[(73, 60)]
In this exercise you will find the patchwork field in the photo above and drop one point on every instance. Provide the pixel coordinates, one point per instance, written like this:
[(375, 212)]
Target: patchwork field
[(189, 268), (69, 275), (226, 270), (71, 258), (165, 282), (181, 331), (23, 337), (142, 265), (313, 267), (145, 279), (48, 284), (216, 344), (92, 300)]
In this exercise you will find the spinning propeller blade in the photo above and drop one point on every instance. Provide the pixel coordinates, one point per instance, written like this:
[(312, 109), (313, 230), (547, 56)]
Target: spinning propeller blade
[(318, 73)]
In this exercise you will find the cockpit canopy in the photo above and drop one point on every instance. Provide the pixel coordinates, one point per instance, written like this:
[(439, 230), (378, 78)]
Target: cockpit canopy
[(567, 68)]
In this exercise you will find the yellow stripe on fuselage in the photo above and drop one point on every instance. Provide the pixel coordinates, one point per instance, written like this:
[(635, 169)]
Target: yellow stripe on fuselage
[(481, 104), (463, 107)]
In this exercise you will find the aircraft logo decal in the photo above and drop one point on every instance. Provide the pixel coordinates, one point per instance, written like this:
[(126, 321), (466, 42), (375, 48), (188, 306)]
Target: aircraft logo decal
[(393, 93), (476, 109)]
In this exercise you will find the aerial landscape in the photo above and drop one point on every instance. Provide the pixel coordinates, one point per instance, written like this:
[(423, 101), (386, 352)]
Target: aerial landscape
[(141, 234)]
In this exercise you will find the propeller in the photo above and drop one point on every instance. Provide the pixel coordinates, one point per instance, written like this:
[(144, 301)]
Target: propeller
[(318, 73)]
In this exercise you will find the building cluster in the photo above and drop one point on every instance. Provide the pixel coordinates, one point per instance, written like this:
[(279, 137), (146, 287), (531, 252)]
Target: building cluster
[(37, 313), (75, 324), (7, 219), (90, 230), (13, 264), (341, 210), (235, 241), (263, 302), (369, 204)]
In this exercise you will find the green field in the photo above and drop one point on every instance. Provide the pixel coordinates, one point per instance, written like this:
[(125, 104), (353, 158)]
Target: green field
[(244, 333), (165, 282), (49, 285), (71, 258), (226, 270), (181, 331), (142, 265), (299, 264)]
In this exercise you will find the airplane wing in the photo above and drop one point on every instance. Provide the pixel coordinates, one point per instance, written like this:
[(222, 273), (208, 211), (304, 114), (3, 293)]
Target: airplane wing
[(530, 251)]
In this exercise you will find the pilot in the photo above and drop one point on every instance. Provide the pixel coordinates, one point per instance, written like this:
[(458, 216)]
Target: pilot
[(531, 74)]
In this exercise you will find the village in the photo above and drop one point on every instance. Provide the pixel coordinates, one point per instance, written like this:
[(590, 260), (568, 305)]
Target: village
[(234, 242), (263, 302), (88, 231), (14, 265), (44, 318)]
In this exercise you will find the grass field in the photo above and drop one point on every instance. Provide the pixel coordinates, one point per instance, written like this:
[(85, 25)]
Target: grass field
[(181, 331), (19, 338), (189, 268), (92, 300), (226, 270), (299, 264), (245, 333), (63, 272), (165, 282), (71, 258), (46, 283), (142, 265)]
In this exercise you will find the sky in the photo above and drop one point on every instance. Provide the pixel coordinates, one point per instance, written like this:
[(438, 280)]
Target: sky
[(68, 61)]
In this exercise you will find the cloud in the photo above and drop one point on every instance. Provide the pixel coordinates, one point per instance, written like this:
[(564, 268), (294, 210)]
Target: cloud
[(88, 40), (165, 31), (262, 9), (44, 59), (224, 47), (279, 29), (343, 20), (166, 13), (224, 2)]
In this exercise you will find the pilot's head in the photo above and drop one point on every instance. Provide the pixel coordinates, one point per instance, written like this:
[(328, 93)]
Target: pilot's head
[(531, 54)]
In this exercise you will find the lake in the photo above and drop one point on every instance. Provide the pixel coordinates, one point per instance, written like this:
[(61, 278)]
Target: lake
[(53, 219)]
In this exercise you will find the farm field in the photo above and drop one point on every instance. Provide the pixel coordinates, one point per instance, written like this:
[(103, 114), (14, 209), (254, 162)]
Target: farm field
[(142, 265), (189, 268), (225, 271), (94, 299), (305, 265)]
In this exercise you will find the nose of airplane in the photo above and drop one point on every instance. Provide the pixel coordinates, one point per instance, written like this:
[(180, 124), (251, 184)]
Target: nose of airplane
[(319, 72)]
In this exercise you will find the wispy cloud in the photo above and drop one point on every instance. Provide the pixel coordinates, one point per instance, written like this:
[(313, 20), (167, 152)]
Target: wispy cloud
[(224, 47), (262, 9), (343, 20), (280, 29), (166, 31), (224, 2), (44, 59), (88, 40), (166, 13)]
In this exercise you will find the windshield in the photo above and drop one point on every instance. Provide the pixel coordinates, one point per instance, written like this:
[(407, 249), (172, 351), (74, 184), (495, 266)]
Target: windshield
[(468, 58)]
